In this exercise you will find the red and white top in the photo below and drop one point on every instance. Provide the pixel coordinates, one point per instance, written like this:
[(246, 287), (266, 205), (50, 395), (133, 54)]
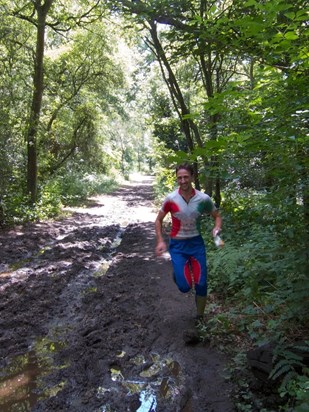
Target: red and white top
[(186, 216)]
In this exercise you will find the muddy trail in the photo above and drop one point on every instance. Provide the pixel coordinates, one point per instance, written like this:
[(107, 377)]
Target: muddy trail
[(91, 321)]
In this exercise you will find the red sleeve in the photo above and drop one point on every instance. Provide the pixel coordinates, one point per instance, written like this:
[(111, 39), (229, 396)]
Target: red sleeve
[(170, 206)]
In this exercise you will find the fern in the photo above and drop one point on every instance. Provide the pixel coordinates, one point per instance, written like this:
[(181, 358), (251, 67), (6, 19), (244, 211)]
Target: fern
[(290, 368), (281, 368), (303, 348), (291, 375)]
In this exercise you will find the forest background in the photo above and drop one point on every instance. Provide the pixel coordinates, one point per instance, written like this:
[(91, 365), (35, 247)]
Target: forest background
[(94, 90)]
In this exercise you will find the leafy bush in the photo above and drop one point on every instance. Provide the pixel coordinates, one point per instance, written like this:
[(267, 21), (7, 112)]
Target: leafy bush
[(76, 187), (260, 277), (293, 374), (165, 182), (67, 190), (264, 258), (17, 209)]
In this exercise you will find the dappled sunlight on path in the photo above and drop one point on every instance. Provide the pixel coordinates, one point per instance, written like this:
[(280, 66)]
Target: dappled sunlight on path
[(130, 203)]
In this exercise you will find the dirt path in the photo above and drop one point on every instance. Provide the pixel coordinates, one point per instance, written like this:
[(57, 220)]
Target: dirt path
[(89, 325)]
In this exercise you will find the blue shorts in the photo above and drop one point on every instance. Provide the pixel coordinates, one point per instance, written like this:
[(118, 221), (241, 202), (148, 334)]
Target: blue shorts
[(189, 264)]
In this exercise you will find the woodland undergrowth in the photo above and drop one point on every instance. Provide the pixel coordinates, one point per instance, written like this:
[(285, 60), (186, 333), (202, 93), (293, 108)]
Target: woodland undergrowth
[(258, 288)]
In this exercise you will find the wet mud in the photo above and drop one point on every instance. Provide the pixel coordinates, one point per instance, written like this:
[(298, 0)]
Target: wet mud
[(91, 320)]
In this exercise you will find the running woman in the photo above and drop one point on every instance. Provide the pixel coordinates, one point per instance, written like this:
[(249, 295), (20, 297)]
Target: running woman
[(187, 248)]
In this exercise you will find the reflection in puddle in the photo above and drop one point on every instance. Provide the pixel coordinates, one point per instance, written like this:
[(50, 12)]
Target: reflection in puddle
[(18, 388), (148, 402), (161, 378), (151, 371), (117, 240), (105, 263), (21, 382), (102, 269), (116, 375)]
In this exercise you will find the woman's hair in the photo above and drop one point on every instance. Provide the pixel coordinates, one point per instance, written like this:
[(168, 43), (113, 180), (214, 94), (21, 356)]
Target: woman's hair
[(185, 166)]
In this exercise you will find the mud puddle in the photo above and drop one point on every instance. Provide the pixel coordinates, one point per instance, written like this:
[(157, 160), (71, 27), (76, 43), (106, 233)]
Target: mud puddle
[(161, 378), (21, 382)]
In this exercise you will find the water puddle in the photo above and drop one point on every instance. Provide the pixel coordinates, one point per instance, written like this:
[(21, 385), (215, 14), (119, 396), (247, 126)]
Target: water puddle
[(148, 402), (21, 382), (161, 378), (18, 387), (105, 263), (101, 271), (117, 241)]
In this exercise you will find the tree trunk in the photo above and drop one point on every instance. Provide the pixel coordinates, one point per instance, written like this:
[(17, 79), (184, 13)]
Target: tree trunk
[(210, 85), (37, 95), (187, 125)]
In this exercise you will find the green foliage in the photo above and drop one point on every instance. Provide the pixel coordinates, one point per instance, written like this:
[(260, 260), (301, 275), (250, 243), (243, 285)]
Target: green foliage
[(164, 182), (293, 374), (84, 78), (165, 124), (17, 208), (76, 187), (261, 276), (71, 189), (83, 87), (264, 258)]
